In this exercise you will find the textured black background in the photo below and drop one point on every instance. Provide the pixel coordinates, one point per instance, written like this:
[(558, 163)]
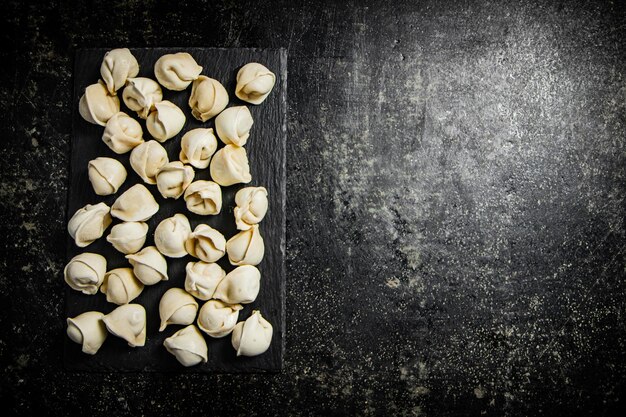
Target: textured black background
[(456, 200)]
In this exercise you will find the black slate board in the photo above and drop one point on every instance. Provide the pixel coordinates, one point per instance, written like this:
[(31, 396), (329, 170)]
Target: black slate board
[(266, 153)]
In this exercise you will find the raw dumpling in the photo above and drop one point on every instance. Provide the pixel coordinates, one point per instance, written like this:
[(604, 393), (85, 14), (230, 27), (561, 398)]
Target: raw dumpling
[(177, 307), (253, 336), (149, 266), (251, 206), (106, 175), (128, 321), (204, 197), (206, 243), (89, 224), (121, 286), (254, 83), (128, 237), (218, 319), (135, 205), (171, 234), (239, 286), (85, 272), (122, 133), (117, 66), (233, 125), (88, 330), (230, 166), (165, 121), (176, 71), (202, 279), (208, 98), (97, 106), (141, 94), (246, 247), (197, 146), (147, 159), (173, 179), (188, 346)]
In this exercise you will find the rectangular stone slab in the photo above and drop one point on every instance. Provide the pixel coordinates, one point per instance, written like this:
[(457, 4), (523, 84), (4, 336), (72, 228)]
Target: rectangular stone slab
[(266, 153)]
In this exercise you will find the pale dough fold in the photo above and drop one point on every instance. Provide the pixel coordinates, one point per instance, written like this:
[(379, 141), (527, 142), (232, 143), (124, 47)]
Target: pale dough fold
[(135, 205), (128, 321), (204, 197), (197, 146), (188, 346), (147, 160), (128, 237), (253, 336), (177, 307), (246, 247), (230, 166), (254, 83), (141, 94), (149, 266), (122, 133), (171, 234), (218, 319), (106, 175), (165, 121), (208, 98), (206, 243), (202, 279), (97, 106), (173, 179), (88, 330), (121, 286), (233, 125), (89, 224), (85, 272), (176, 71), (239, 286), (117, 66), (251, 206)]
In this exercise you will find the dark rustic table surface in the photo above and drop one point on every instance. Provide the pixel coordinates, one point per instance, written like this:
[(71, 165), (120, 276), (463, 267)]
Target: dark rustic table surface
[(455, 206)]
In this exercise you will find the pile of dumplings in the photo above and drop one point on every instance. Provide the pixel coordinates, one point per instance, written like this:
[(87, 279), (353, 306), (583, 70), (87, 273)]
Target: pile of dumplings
[(222, 294)]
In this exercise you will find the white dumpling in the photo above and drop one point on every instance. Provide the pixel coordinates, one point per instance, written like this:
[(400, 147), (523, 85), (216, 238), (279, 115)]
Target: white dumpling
[(117, 66), (128, 237), (121, 286), (128, 321), (176, 71), (188, 346), (204, 198), (85, 272), (218, 319), (230, 166), (171, 234), (89, 223), (202, 279), (206, 243), (253, 336), (141, 94), (122, 133), (246, 247), (177, 307), (149, 266), (233, 125), (173, 179), (165, 121), (197, 146), (208, 98), (88, 330), (254, 83), (135, 205), (96, 105), (239, 286), (147, 160), (251, 206), (106, 175)]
